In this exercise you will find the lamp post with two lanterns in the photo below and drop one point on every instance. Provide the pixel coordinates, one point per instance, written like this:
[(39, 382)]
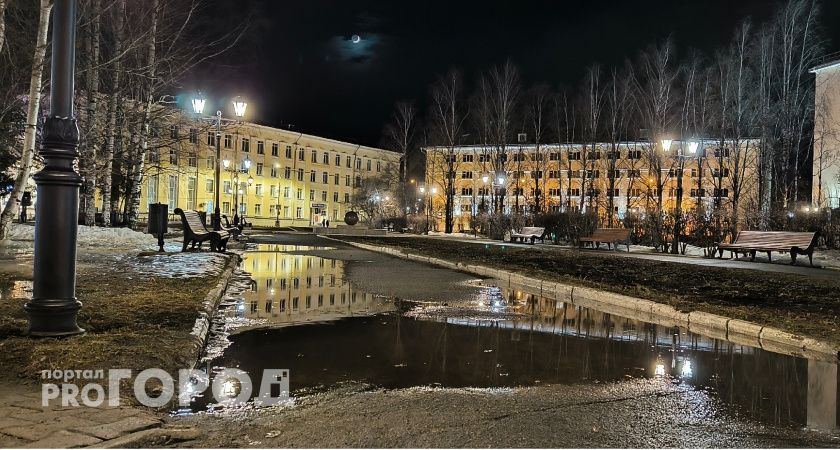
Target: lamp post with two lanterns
[(239, 105)]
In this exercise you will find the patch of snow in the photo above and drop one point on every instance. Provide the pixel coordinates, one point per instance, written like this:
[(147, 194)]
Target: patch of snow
[(123, 238)]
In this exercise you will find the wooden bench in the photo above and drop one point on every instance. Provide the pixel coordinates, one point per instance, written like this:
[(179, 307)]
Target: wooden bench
[(234, 230), (532, 233), (751, 242), (609, 236), (195, 232)]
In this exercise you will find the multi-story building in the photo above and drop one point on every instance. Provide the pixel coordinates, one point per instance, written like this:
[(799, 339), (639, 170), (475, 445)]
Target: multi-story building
[(826, 176), (628, 177), (270, 176)]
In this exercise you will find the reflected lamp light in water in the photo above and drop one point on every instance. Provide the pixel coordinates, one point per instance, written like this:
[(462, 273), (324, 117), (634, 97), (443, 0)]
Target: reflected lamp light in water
[(687, 370), (659, 370)]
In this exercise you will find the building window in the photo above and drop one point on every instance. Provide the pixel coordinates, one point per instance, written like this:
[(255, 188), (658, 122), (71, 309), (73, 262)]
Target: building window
[(152, 191), (192, 160), (260, 148), (379, 166), (226, 187), (228, 141), (274, 191), (173, 192), (467, 191), (259, 169), (634, 154), (275, 149), (336, 179), (289, 151), (300, 175), (348, 162), (258, 190), (300, 194), (467, 175), (287, 192), (346, 197), (312, 176), (347, 180), (191, 192), (314, 156), (337, 159), (209, 185), (211, 138), (246, 145), (326, 158), (226, 207), (173, 156), (368, 165), (193, 136), (211, 162), (299, 212), (311, 194), (335, 197), (173, 132), (287, 173), (325, 178), (257, 209)]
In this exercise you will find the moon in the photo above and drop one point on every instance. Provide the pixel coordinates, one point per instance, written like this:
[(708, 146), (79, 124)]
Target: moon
[(356, 39)]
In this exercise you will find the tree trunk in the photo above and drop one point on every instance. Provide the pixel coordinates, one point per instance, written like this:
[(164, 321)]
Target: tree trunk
[(32, 112), (87, 160), (136, 175), (111, 134), (3, 4)]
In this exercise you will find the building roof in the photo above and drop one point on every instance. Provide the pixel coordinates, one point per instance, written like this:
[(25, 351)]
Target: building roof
[(828, 65)]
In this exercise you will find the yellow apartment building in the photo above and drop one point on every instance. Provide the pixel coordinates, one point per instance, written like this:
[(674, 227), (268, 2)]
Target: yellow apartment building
[(826, 176), (579, 177), (271, 176)]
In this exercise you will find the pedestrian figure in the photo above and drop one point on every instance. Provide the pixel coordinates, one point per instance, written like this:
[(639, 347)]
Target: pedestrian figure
[(328, 223)]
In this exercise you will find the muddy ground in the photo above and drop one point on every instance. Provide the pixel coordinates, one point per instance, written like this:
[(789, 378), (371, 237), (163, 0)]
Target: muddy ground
[(796, 303), (133, 306)]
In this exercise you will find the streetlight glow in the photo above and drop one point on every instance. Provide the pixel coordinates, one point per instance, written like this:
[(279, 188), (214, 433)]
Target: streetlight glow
[(247, 164), (226, 163), (198, 104), (501, 180), (239, 106), (666, 144), (485, 178), (692, 147), (434, 190)]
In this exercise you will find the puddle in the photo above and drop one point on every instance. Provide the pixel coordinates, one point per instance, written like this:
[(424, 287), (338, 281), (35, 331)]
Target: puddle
[(298, 312)]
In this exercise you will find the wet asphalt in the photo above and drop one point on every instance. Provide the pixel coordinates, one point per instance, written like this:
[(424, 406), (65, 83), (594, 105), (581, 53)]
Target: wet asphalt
[(636, 412)]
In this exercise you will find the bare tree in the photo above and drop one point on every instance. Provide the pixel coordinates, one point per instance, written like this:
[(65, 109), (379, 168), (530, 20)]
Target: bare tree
[(537, 117), (3, 4), (448, 116), (618, 108), (593, 105), (90, 137), (32, 115), (503, 91), (399, 135)]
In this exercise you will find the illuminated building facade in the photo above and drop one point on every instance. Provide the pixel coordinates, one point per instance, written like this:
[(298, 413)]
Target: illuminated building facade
[(274, 177), (579, 177), (826, 176)]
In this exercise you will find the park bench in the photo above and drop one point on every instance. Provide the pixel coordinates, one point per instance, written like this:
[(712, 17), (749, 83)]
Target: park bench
[(751, 242), (235, 230), (609, 236), (532, 233), (196, 233)]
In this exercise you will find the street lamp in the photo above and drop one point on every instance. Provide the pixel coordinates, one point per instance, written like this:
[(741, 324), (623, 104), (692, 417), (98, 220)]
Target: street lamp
[(53, 309), (198, 104)]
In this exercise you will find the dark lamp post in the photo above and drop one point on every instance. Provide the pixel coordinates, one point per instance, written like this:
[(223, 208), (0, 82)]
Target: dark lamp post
[(53, 309)]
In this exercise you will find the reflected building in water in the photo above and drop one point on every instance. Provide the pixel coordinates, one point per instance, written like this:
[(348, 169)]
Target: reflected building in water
[(292, 288)]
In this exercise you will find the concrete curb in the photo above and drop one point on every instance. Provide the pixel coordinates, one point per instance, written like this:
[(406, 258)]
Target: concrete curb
[(712, 325), (201, 328)]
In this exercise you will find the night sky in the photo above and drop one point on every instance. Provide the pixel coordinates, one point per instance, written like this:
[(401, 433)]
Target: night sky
[(297, 63)]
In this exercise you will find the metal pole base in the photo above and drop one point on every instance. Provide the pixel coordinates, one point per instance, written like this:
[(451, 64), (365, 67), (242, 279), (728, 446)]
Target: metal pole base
[(53, 318)]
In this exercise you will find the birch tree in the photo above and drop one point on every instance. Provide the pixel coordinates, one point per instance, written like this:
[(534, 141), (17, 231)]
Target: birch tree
[(448, 116), (32, 116)]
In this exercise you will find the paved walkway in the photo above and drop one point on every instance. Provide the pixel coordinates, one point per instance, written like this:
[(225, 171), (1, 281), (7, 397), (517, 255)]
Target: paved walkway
[(778, 266), (25, 423)]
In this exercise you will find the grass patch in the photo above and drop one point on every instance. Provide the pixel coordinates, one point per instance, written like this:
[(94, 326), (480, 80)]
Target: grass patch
[(796, 303), (132, 323)]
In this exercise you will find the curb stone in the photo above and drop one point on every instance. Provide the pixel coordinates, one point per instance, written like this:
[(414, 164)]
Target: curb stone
[(712, 325), (211, 302)]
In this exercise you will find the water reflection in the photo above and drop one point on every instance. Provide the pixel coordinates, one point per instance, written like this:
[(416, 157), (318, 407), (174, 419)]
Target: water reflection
[(514, 339), (291, 288)]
